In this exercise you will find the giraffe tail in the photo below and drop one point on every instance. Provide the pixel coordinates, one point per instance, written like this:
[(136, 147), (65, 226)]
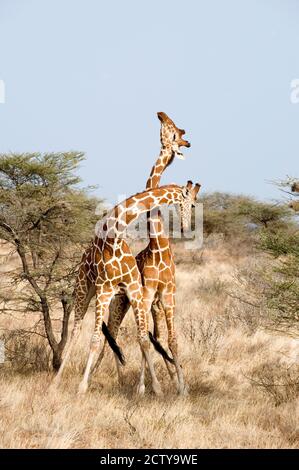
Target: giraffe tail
[(159, 348), (113, 344)]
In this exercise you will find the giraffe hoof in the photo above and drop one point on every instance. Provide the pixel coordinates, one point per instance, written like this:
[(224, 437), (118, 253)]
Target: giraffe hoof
[(173, 379), (158, 390), (82, 388), (183, 391)]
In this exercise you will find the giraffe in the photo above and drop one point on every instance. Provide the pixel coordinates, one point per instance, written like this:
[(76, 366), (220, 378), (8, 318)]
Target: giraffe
[(155, 264), (108, 265)]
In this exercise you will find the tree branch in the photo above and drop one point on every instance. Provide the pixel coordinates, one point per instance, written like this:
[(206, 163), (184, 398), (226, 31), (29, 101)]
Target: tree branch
[(43, 300)]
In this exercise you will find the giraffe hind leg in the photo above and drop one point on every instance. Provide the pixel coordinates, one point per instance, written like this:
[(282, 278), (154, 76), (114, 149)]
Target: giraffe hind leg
[(117, 310), (159, 348), (113, 345), (173, 346), (158, 315)]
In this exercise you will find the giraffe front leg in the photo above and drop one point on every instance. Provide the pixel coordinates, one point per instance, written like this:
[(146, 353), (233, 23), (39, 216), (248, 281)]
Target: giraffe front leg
[(73, 340), (103, 298), (117, 313), (84, 293), (141, 307)]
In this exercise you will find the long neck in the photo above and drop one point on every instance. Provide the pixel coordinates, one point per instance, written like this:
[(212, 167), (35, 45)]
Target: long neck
[(165, 159), (155, 229), (115, 223)]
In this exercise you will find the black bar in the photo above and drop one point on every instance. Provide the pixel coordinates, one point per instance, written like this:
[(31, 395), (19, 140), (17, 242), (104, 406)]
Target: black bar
[(136, 458)]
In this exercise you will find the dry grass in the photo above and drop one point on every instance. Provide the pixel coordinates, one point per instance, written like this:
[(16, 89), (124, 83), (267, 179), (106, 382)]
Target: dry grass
[(243, 383)]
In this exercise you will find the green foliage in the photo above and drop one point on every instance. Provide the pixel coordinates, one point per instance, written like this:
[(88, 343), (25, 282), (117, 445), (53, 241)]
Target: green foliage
[(282, 281), (219, 211), (240, 216), (265, 215)]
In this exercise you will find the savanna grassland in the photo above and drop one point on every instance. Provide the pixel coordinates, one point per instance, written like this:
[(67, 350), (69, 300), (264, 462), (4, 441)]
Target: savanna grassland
[(242, 378)]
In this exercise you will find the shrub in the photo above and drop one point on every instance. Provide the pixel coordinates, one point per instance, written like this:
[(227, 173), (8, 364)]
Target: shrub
[(278, 381), (282, 282)]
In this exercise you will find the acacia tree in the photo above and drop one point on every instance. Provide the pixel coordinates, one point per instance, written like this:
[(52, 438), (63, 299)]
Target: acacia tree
[(47, 220), (232, 215), (271, 216), (282, 280)]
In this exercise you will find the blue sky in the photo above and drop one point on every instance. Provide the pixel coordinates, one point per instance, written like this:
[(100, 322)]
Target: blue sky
[(91, 75)]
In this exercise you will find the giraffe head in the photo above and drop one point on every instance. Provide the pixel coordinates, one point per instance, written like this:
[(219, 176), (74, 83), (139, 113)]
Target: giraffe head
[(189, 194), (171, 136)]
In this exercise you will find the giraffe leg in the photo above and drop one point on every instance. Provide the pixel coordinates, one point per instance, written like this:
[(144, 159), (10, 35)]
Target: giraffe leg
[(104, 295), (84, 294), (100, 358), (168, 304), (118, 308), (141, 385), (118, 312), (117, 363), (141, 306), (158, 315)]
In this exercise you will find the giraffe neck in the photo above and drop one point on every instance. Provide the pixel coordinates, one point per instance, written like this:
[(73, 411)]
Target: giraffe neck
[(115, 223), (165, 158), (157, 238)]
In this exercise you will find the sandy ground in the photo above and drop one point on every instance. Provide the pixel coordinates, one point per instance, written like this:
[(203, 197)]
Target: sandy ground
[(242, 380)]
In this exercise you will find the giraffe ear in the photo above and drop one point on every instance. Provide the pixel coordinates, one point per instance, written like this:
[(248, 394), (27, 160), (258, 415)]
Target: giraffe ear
[(185, 191), (196, 189)]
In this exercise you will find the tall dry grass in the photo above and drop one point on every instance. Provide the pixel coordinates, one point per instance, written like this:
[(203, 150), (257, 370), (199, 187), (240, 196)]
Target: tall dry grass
[(243, 380)]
